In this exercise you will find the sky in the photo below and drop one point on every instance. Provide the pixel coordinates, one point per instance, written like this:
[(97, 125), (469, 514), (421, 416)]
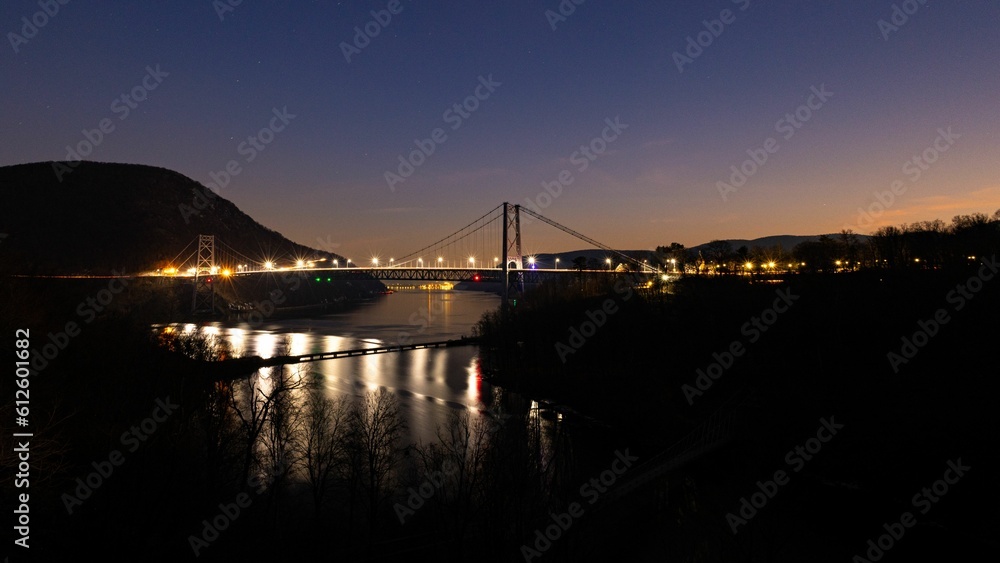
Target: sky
[(642, 108)]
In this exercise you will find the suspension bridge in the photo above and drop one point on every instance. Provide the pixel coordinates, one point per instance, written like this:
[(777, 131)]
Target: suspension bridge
[(488, 249)]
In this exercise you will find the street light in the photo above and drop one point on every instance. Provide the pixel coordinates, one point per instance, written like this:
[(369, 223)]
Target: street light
[(472, 261), (375, 262), (420, 262), (299, 263), (608, 262), (439, 261), (336, 264), (557, 263)]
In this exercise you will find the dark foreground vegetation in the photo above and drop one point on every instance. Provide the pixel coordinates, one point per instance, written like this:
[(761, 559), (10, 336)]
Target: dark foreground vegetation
[(836, 408), (139, 453), (902, 358)]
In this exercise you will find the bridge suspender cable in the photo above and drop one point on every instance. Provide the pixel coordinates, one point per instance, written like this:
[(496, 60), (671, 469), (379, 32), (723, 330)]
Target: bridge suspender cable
[(586, 239), (436, 244)]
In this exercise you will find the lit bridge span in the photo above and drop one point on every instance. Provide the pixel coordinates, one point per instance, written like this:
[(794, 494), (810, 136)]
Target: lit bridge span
[(489, 249)]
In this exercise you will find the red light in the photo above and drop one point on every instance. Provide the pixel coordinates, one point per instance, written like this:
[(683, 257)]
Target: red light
[(476, 277), (209, 280)]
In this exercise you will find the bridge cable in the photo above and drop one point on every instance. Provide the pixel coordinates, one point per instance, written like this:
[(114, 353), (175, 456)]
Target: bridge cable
[(585, 238), (434, 245)]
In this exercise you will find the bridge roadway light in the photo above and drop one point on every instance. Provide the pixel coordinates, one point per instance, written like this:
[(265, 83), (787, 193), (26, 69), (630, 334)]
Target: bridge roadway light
[(557, 263), (336, 263), (391, 260), (439, 261), (268, 265), (420, 262), (608, 262), (374, 261), (299, 263)]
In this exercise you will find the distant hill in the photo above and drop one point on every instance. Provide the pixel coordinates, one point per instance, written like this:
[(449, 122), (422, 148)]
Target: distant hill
[(596, 257), (787, 242), (127, 217)]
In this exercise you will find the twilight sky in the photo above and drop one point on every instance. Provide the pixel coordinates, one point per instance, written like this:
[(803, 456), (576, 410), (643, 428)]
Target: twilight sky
[(215, 77)]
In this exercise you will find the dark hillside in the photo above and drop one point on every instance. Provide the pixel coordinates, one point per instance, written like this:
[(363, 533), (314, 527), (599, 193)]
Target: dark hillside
[(128, 217)]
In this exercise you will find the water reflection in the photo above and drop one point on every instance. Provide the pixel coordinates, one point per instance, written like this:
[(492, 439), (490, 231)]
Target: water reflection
[(429, 383)]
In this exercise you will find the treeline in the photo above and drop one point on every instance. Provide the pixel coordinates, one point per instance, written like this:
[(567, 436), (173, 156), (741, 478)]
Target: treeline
[(920, 245)]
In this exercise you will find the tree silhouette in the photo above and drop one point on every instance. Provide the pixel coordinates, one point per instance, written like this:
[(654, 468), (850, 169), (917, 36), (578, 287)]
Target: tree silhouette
[(376, 429), (322, 443)]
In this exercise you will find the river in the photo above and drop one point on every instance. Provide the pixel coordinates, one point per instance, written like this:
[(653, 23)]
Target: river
[(429, 383)]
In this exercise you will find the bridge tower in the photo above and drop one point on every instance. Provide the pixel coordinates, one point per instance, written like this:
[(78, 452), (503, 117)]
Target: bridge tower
[(511, 250), (203, 297)]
